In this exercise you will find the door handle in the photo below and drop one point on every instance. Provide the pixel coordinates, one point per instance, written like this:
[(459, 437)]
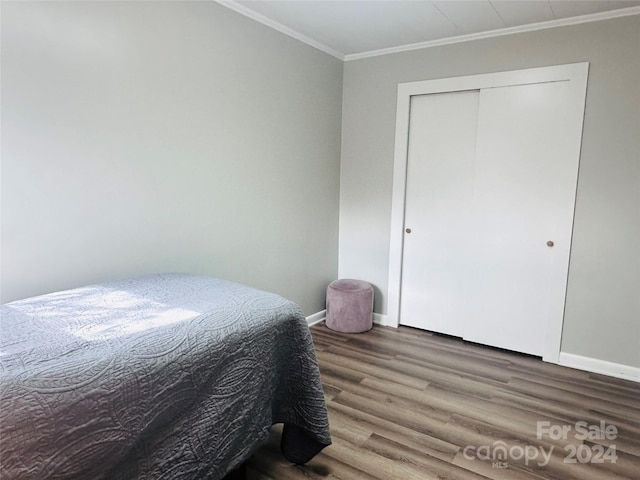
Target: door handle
[(550, 243), (408, 230)]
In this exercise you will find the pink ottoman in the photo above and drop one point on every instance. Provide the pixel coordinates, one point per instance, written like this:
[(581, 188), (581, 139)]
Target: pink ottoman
[(349, 306)]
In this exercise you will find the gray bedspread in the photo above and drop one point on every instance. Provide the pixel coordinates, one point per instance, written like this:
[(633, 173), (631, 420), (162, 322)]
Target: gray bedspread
[(162, 377)]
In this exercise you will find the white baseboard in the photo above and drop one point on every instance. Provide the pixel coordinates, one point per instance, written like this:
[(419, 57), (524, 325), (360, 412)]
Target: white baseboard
[(594, 365), (380, 319), (317, 317)]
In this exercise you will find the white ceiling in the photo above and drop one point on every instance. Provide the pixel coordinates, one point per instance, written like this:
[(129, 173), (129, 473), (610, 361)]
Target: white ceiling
[(356, 28)]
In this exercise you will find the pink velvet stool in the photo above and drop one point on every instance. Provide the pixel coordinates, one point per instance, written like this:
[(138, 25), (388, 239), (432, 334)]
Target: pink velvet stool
[(349, 306)]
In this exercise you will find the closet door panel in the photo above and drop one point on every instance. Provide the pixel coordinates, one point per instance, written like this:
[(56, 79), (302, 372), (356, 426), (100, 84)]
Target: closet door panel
[(523, 198), (442, 142)]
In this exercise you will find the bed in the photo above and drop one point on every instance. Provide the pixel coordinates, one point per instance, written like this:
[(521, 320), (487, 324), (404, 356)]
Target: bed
[(167, 376)]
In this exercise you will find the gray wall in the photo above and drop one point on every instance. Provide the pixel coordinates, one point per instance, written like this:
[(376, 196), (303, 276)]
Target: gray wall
[(602, 317), (143, 137)]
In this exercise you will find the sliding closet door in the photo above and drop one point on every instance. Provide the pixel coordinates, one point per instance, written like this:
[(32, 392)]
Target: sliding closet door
[(485, 175), (441, 151), (491, 179), (522, 212)]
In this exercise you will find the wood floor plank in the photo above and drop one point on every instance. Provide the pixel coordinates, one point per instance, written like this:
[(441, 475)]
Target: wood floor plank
[(411, 438), (431, 467), (349, 428), (406, 404), (370, 368), (379, 466), (348, 350), (567, 396)]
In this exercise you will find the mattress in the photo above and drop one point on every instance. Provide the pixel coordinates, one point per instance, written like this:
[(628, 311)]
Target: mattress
[(167, 376)]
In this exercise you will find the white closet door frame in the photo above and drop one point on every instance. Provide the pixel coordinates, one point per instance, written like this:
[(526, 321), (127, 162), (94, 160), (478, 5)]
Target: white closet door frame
[(575, 73)]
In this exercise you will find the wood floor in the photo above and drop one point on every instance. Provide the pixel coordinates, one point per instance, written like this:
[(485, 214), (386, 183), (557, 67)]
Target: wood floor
[(407, 404)]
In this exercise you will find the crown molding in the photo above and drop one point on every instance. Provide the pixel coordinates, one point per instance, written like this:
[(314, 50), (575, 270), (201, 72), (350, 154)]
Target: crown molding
[(563, 22), (247, 12)]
